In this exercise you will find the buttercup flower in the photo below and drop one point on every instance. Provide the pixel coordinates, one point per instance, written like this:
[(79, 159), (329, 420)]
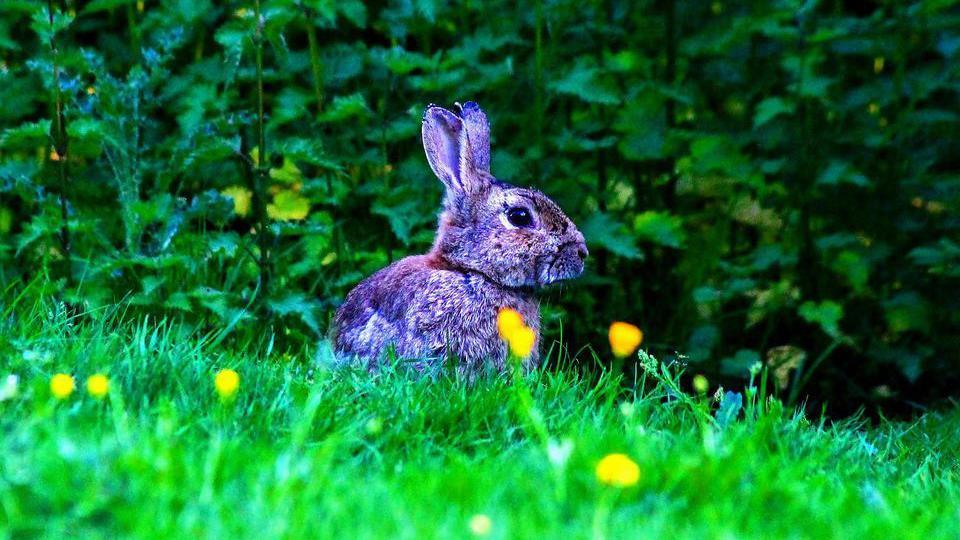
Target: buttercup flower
[(227, 382), (624, 339), (700, 384), (98, 385), (480, 525), (61, 385), (508, 320), (521, 341), (618, 470), (518, 336)]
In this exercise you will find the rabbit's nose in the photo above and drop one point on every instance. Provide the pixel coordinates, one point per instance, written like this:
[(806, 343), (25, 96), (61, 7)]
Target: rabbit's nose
[(582, 252)]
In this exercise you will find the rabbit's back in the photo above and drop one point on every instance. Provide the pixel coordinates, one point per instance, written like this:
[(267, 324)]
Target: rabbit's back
[(426, 310)]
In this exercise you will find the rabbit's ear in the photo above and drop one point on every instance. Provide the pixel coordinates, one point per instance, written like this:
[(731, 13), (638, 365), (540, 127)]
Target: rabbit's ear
[(458, 149), (478, 135), (441, 133)]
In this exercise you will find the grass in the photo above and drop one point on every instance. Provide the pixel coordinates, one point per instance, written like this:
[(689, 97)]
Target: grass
[(308, 451)]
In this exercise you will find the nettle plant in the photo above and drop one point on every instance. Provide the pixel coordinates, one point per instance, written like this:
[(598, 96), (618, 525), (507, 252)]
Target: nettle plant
[(148, 184)]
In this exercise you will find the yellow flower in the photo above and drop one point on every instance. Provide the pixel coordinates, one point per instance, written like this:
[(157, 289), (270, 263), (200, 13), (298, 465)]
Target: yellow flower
[(508, 320), (700, 384), (227, 382), (624, 339), (91, 90), (618, 470), (480, 525), (241, 199), (98, 385), (518, 336), (61, 385), (521, 341), (873, 108)]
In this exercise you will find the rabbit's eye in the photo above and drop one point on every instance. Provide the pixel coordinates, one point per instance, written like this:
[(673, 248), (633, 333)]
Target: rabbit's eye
[(519, 217)]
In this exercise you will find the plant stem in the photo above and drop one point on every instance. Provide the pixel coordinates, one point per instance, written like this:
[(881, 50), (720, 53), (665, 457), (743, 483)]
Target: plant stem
[(134, 31), (262, 171), (525, 403), (315, 65), (670, 25), (801, 379), (538, 76), (60, 147)]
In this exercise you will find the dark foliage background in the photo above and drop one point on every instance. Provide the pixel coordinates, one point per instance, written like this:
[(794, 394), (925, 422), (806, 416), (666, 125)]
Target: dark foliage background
[(770, 182)]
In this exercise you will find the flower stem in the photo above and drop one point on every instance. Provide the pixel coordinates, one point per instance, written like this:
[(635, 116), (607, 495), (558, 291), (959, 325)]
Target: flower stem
[(524, 399)]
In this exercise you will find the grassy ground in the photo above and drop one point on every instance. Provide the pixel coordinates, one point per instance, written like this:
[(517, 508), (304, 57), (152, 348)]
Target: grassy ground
[(305, 451)]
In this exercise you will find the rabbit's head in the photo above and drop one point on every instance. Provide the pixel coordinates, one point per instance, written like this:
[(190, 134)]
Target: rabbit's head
[(516, 237)]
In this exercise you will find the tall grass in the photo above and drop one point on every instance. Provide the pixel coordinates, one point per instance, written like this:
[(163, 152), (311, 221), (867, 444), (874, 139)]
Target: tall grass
[(306, 450)]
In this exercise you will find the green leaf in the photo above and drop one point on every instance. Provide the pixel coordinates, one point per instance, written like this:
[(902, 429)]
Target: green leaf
[(401, 61), (839, 172), (730, 405), (826, 314), (179, 301), (403, 214), (643, 127), (349, 107), (661, 228), (740, 363), (942, 258), (702, 342), (586, 81), (770, 108), (41, 23), (105, 5), (212, 150), (854, 267), (290, 105), (87, 137), (288, 173), (427, 8), (299, 305), (907, 311), (288, 205), (603, 231), (220, 303), (233, 36), (225, 243), (354, 11), (27, 135)]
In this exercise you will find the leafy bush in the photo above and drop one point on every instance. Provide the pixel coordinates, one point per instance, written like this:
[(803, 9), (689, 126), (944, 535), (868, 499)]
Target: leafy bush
[(773, 182)]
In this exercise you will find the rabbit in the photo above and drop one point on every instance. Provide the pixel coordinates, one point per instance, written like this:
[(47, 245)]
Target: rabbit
[(495, 245)]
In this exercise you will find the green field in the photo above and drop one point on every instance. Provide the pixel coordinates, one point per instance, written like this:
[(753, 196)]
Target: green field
[(306, 450)]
